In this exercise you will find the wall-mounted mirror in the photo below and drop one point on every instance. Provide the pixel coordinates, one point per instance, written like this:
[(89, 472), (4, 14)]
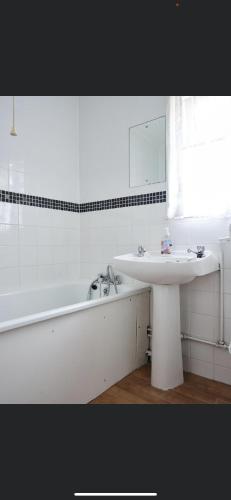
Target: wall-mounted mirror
[(148, 153)]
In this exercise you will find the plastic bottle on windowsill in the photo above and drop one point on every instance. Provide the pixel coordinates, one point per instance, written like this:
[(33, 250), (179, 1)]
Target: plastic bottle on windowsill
[(166, 243)]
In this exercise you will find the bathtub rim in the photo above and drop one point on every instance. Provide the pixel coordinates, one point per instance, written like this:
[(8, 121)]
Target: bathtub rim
[(30, 319)]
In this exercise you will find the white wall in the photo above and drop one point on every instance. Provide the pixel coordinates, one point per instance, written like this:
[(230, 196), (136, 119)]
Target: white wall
[(104, 173), (43, 158), (38, 245), (200, 300), (104, 142)]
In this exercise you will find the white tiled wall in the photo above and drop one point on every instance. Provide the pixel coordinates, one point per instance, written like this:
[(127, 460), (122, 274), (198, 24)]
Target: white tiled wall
[(114, 232), (200, 301), (104, 173), (108, 233), (37, 246)]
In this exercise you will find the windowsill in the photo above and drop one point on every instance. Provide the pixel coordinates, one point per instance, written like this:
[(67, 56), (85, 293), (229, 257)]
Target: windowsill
[(199, 217)]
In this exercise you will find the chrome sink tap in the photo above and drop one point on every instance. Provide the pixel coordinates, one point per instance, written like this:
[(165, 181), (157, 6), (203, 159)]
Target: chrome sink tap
[(141, 251), (200, 251)]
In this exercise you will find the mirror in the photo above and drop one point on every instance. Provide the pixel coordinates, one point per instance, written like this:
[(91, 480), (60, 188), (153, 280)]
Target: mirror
[(148, 152)]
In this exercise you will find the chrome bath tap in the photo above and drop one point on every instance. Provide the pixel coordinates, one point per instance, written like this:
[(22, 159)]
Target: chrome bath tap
[(112, 277), (108, 279)]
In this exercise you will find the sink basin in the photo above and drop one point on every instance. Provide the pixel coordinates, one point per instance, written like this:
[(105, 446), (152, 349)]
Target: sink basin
[(165, 274), (174, 269)]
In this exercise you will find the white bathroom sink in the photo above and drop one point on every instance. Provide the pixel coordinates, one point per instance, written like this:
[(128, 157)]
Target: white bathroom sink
[(174, 269), (165, 274)]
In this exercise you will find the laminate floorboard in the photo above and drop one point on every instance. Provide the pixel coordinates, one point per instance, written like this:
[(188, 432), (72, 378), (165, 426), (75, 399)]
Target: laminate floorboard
[(136, 389)]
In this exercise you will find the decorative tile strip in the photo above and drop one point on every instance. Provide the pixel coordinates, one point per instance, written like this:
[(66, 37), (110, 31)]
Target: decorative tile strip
[(126, 201), (92, 206), (38, 201)]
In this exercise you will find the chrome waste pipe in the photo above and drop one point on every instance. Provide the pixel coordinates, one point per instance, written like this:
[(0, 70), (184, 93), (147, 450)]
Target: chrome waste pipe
[(221, 338), (203, 341), (225, 347)]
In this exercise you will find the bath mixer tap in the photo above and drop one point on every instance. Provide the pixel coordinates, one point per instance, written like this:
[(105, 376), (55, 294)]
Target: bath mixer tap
[(93, 286), (200, 251), (112, 277), (108, 279)]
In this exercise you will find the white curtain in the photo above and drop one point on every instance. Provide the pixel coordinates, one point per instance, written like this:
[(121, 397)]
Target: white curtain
[(199, 156)]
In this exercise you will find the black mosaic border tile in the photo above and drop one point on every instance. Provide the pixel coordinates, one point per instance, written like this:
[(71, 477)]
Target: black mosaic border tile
[(37, 201), (93, 206), (125, 201)]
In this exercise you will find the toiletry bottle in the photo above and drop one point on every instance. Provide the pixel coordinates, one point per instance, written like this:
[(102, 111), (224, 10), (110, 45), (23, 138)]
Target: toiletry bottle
[(166, 242)]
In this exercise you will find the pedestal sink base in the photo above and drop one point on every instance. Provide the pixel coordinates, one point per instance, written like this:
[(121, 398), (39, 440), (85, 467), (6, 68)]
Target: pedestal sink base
[(167, 363), (165, 273)]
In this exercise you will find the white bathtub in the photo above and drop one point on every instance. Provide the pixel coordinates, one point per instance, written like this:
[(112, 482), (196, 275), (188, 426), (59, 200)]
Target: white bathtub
[(57, 347)]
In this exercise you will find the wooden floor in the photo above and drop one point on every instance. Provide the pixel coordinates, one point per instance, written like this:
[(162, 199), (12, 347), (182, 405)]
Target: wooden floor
[(136, 389)]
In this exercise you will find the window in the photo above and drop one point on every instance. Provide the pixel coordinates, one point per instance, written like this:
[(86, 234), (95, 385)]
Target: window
[(199, 156)]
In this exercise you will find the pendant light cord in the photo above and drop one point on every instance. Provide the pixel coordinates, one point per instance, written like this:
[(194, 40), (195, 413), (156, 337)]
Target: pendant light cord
[(13, 131)]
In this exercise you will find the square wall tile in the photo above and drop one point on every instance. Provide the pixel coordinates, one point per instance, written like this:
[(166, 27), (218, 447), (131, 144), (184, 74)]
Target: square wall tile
[(9, 279), (28, 235), (73, 271), (201, 352), (60, 273), (46, 275), (16, 181), (4, 179), (28, 277), (45, 236), (8, 213), (53, 235), (28, 216), (209, 283), (200, 368), (61, 254), (72, 237), (222, 374), (9, 256), (222, 358), (204, 302), (204, 326), (8, 234), (28, 256), (45, 255)]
